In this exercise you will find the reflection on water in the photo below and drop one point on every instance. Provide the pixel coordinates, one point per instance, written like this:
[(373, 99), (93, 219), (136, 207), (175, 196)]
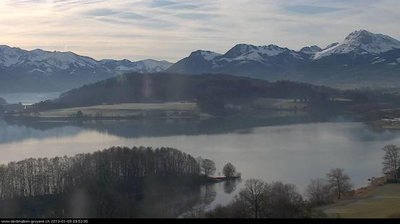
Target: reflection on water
[(230, 186), (154, 198), (17, 130), (16, 133), (291, 153)]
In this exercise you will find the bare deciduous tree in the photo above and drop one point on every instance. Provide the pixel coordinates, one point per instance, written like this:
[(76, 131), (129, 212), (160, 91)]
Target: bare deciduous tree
[(253, 195), (318, 192), (229, 170), (391, 160), (339, 182), (43, 176), (208, 167), (283, 201), (262, 200)]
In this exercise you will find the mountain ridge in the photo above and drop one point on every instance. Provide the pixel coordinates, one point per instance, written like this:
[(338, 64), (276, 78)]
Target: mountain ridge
[(14, 56), (55, 71), (362, 55), (361, 59)]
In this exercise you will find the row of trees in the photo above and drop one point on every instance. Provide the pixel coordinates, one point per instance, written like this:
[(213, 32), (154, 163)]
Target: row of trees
[(337, 183), (43, 176), (259, 199), (277, 200), (322, 191), (208, 168)]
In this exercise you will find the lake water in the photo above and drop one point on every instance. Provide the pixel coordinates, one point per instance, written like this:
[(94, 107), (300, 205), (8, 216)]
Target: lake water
[(291, 153)]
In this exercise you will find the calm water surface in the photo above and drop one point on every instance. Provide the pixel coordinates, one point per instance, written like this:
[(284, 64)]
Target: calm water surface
[(291, 153)]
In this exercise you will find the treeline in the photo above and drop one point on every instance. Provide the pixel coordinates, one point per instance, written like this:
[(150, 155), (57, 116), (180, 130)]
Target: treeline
[(145, 88), (212, 92), (165, 87), (43, 176), (259, 199)]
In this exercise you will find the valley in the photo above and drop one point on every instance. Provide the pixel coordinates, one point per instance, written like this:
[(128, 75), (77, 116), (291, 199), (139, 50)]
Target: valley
[(288, 112)]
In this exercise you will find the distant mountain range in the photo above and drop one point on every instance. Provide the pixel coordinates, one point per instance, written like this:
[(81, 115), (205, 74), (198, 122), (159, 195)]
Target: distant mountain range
[(361, 59), (36, 70)]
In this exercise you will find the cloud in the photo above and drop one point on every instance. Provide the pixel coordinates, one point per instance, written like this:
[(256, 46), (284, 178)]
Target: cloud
[(310, 10), (161, 3), (197, 16), (100, 12), (171, 29)]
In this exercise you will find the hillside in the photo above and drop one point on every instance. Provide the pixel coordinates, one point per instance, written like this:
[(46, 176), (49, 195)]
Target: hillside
[(215, 94), (381, 202), (164, 87)]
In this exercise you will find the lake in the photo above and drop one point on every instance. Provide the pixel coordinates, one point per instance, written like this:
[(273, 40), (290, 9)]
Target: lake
[(292, 152)]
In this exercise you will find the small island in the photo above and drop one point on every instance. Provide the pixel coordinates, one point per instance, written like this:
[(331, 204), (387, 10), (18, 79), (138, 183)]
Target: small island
[(115, 182)]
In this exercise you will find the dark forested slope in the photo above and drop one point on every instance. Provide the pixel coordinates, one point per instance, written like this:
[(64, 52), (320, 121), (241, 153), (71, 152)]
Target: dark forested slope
[(214, 93), (165, 87)]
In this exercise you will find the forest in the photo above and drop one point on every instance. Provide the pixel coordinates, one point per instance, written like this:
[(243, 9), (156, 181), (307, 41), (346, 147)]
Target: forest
[(43, 176), (115, 182), (212, 92)]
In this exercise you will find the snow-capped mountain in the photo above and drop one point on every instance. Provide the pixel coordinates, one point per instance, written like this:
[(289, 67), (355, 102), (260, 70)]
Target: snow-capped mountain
[(360, 54), (311, 50), (49, 62), (238, 59), (251, 52), (143, 66), (361, 42), (62, 70), (362, 58), (207, 55), (200, 61)]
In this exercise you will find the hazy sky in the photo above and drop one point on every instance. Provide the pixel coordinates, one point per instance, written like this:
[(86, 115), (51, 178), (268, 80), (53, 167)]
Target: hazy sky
[(171, 29)]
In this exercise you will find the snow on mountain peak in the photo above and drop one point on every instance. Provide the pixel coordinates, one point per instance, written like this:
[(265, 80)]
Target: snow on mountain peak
[(361, 41), (331, 45), (151, 65), (9, 55), (311, 49), (249, 52), (207, 55), (51, 61), (359, 34)]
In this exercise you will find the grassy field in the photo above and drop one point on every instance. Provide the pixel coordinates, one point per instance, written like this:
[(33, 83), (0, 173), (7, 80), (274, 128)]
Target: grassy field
[(123, 110), (138, 109), (381, 202), (380, 124), (279, 104)]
